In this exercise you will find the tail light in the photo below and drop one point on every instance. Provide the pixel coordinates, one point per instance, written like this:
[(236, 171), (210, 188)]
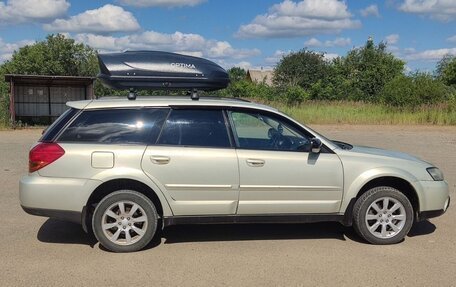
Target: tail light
[(43, 154)]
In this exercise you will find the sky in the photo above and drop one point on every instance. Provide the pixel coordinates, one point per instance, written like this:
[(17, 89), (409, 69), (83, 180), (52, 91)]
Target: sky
[(245, 33)]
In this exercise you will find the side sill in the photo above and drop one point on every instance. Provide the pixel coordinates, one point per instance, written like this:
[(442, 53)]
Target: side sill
[(267, 218), (72, 216)]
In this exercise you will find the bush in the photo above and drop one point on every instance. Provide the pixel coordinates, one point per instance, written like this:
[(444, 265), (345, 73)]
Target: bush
[(452, 102), (415, 90), (247, 89), (399, 92), (295, 95), (430, 90)]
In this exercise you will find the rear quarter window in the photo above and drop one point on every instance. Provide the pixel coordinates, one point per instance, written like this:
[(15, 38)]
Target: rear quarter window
[(53, 130), (116, 126)]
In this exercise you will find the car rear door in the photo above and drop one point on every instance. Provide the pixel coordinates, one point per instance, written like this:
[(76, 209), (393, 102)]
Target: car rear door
[(278, 174), (194, 163)]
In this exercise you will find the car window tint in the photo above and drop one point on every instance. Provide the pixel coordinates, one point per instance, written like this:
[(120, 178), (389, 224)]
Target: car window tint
[(204, 128), (119, 126), (258, 131)]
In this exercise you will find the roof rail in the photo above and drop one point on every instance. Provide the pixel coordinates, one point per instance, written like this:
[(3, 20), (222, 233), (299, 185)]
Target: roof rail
[(225, 98)]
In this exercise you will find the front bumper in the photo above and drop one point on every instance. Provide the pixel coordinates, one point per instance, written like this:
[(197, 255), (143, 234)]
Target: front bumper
[(434, 198), (423, 215)]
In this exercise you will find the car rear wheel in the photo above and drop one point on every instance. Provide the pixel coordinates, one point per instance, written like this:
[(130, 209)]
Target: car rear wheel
[(125, 221), (383, 215)]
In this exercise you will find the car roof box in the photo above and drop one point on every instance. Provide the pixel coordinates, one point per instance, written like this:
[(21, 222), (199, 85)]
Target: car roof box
[(160, 71)]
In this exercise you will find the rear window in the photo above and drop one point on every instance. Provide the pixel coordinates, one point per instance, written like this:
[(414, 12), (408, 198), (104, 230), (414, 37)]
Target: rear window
[(51, 132), (116, 126), (203, 128)]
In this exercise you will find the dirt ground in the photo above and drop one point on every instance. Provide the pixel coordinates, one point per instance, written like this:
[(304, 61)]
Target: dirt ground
[(37, 251)]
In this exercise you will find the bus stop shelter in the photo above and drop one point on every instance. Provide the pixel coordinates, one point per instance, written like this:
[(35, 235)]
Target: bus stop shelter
[(37, 99)]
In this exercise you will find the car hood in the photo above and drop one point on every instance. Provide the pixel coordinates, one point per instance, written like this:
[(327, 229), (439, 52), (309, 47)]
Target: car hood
[(385, 153)]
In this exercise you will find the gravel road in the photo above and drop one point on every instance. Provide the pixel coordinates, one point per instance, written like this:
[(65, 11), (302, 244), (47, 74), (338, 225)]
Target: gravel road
[(37, 251)]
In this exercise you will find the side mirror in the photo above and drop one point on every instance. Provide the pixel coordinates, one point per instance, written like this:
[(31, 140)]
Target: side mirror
[(315, 145)]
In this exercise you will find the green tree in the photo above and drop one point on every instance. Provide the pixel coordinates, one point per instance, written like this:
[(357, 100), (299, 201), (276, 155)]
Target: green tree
[(368, 69), (446, 70), (56, 55), (303, 68), (237, 74)]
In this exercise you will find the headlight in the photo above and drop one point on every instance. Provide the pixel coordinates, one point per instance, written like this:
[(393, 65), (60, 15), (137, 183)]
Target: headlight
[(436, 174)]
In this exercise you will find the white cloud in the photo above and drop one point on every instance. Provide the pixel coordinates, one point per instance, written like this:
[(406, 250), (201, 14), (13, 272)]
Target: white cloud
[(324, 9), (313, 42), (190, 44), (7, 49), (339, 42), (370, 10), (160, 3), (443, 10), (244, 65), (330, 56), (21, 11), (392, 39), (277, 56), (106, 19), (452, 39), (306, 17), (430, 55)]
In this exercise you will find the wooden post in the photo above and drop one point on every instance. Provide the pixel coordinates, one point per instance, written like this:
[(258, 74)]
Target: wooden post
[(90, 95), (50, 105), (12, 108)]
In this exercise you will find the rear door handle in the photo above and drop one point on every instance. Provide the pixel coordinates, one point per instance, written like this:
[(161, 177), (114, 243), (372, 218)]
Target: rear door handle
[(255, 162), (158, 159)]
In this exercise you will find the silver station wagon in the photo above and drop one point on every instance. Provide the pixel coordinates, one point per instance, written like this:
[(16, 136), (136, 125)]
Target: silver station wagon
[(126, 168)]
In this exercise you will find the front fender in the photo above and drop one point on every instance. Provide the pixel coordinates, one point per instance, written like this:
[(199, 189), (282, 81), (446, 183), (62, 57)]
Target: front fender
[(352, 187)]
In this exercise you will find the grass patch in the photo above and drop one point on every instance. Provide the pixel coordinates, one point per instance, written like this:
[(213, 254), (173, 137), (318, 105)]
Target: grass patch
[(343, 112), (358, 113)]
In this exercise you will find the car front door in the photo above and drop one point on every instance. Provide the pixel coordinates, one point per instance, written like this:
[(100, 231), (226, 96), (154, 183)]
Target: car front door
[(195, 163), (278, 174)]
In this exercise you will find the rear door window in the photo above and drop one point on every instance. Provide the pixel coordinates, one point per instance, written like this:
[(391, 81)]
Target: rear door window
[(116, 126), (195, 127)]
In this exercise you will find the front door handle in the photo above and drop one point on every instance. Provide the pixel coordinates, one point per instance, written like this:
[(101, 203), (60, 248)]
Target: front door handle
[(255, 162), (158, 159)]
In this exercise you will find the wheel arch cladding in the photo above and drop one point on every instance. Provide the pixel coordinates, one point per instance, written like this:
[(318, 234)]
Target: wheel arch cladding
[(395, 182), (111, 186)]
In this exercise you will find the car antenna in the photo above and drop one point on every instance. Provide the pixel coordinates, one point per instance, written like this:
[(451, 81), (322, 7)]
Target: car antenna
[(194, 94), (131, 94)]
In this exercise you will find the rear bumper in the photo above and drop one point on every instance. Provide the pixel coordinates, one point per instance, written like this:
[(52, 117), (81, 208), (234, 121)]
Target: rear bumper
[(66, 215), (62, 198)]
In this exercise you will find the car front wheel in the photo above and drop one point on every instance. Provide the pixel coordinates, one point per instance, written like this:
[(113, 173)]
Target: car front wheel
[(125, 221), (383, 215)]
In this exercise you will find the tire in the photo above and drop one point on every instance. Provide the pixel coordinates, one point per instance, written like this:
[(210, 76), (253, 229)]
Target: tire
[(125, 221), (379, 225)]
